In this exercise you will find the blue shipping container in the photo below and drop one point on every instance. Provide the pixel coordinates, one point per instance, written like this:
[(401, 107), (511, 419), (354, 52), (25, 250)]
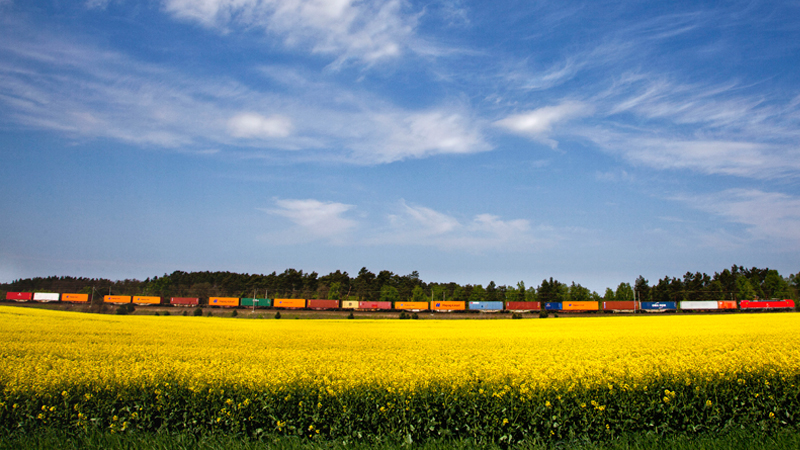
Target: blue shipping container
[(660, 306), (486, 306), (553, 306)]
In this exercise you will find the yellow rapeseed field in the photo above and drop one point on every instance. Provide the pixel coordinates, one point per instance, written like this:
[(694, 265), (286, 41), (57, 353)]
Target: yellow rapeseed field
[(489, 379)]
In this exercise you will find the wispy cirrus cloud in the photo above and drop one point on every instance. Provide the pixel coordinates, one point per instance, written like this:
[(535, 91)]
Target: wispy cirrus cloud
[(363, 31), (410, 225), (318, 219), (771, 216), (419, 225), (538, 124), (88, 92)]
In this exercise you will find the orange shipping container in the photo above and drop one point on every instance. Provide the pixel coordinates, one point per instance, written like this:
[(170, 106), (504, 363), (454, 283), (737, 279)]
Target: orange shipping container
[(580, 306), (117, 299), (223, 301), (411, 305), (726, 304), (290, 303), (142, 300), (448, 306), (75, 298)]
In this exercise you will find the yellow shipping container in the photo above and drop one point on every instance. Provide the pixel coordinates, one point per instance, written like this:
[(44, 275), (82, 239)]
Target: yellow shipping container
[(75, 298), (349, 304), (411, 305), (448, 306), (143, 300), (290, 303), (117, 299), (580, 306), (223, 301)]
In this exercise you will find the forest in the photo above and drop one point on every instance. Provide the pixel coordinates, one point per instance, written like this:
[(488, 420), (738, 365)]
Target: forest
[(736, 283)]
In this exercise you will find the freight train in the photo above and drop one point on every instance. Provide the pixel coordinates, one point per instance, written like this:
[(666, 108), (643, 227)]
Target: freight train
[(438, 306)]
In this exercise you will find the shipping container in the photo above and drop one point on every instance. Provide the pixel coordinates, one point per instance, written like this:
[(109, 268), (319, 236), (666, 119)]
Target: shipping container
[(257, 302), (19, 296), (77, 298), (117, 299), (146, 300), (619, 306), (658, 306), (184, 301), (699, 305), (523, 306), (580, 306), (485, 306), (448, 306), (227, 302), (767, 304), (290, 303), (323, 304), (412, 306), (726, 304), (375, 305), (349, 304), (45, 297), (552, 306)]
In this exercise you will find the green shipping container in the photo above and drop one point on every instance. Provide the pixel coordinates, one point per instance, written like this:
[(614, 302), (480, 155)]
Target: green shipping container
[(259, 302)]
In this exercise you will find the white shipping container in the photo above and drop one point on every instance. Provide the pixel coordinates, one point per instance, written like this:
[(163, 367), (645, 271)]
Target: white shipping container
[(45, 297), (700, 305)]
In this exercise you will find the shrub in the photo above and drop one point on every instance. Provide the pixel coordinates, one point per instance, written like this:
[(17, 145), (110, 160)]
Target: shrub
[(234, 313), (543, 314), (197, 312), (351, 316), (415, 316), (404, 315), (278, 315)]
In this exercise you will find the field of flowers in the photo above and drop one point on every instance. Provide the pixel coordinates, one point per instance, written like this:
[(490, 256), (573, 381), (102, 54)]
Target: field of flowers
[(493, 381)]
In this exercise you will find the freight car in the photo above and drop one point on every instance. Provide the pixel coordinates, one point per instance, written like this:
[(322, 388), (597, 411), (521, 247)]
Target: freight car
[(442, 306)]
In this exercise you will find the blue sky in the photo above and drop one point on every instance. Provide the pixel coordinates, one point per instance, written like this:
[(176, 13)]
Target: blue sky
[(470, 141)]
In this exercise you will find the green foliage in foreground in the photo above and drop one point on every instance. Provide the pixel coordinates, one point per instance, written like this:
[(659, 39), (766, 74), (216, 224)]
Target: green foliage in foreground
[(485, 414), (735, 440)]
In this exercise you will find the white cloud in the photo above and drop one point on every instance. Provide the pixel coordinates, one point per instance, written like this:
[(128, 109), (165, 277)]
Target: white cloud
[(717, 157), (419, 225), (88, 92), (252, 125), (320, 219), (402, 135), (539, 123), (368, 31), (766, 215), (431, 222)]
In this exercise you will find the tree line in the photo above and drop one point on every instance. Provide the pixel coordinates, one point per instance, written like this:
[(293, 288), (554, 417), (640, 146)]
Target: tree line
[(736, 283)]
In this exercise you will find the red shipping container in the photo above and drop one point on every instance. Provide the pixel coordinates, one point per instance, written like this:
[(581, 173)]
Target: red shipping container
[(19, 296), (523, 306), (374, 305), (619, 306), (323, 304), (767, 304), (184, 301)]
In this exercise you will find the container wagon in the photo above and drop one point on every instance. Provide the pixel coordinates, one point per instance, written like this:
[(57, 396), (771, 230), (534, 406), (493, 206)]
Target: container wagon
[(19, 296), (322, 304), (485, 306), (523, 306), (46, 297), (448, 306), (184, 301), (255, 302)]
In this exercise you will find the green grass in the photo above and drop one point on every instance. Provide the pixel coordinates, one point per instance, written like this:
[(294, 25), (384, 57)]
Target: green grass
[(739, 440)]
